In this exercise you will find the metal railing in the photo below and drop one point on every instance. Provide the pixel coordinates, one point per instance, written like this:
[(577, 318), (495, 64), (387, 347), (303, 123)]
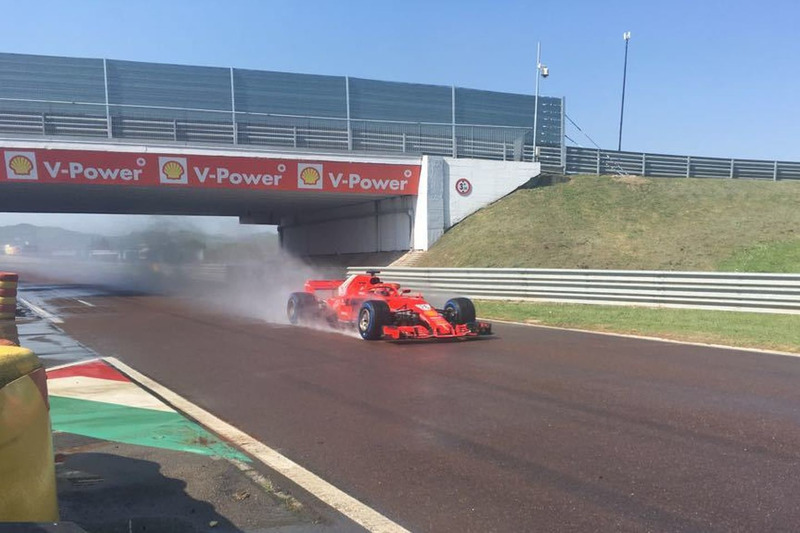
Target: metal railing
[(776, 293), (80, 120), (592, 161)]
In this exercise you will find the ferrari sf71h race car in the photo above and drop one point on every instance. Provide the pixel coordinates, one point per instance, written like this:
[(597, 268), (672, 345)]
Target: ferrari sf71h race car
[(382, 310)]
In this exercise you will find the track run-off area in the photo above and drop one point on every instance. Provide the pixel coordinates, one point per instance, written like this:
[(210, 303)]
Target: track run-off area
[(532, 429)]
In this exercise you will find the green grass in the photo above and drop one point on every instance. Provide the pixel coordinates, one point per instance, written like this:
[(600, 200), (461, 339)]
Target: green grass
[(633, 223), (781, 256), (752, 330)]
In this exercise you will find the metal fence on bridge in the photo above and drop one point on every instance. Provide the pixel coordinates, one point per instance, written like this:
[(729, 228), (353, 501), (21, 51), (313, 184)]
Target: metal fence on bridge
[(125, 100)]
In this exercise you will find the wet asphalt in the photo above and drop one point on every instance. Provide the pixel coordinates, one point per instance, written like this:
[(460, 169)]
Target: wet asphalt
[(531, 430)]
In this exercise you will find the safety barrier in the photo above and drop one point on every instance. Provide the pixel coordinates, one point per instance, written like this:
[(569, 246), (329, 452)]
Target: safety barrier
[(592, 161), (776, 293), (27, 470)]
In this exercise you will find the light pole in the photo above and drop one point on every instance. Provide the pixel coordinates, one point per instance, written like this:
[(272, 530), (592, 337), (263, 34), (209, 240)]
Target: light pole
[(543, 71), (627, 37)]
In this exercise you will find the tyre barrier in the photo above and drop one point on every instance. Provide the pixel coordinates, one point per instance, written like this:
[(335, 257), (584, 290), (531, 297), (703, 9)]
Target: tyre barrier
[(8, 308), (9, 334), (27, 469)]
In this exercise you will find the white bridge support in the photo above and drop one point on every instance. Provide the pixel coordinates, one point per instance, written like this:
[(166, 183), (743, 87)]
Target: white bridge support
[(440, 205), (406, 222)]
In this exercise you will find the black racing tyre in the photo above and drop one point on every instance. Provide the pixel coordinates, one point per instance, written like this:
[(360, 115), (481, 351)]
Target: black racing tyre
[(373, 315), (299, 306), (460, 311)]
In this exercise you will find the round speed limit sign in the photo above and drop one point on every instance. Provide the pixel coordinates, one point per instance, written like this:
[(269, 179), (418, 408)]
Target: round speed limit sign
[(463, 187)]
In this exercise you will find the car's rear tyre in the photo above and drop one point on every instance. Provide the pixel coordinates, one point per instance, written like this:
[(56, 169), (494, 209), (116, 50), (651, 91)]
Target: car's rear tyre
[(460, 311), (300, 306), (373, 315)]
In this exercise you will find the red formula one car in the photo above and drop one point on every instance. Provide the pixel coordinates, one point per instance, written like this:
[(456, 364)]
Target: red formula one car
[(382, 310)]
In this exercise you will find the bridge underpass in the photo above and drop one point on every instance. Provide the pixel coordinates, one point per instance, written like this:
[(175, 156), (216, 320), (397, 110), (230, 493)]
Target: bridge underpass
[(322, 203)]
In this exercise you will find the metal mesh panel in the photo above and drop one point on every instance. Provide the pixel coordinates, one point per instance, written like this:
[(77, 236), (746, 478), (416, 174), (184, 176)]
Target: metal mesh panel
[(151, 84), (171, 124), (194, 104), (551, 158), (787, 170), (494, 109), (592, 161), (482, 142), (404, 102), (290, 94), (292, 132), (382, 136), (72, 120), (621, 162), (51, 78), (746, 168), (549, 122), (430, 139), (504, 109), (409, 138)]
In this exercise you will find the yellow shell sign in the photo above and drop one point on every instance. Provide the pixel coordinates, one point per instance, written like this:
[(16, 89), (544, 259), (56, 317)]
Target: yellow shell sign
[(21, 165), (310, 176), (172, 170)]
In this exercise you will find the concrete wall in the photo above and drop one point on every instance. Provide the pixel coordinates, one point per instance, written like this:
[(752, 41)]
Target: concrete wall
[(443, 205), (407, 222), (374, 226)]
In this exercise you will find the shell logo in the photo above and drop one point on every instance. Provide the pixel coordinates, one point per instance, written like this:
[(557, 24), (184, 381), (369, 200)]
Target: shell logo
[(21, 165), (172, 170), (310, 176)]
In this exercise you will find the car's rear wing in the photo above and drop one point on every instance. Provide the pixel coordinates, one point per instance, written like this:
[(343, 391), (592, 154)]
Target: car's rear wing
[(314, 285)]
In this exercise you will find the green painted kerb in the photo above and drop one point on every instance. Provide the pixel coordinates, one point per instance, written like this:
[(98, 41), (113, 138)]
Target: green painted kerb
[(133, 425)]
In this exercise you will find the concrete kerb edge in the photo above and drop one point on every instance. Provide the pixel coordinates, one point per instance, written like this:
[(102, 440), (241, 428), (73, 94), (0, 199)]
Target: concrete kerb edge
[(332, 496), (38, 311), (646, 338)]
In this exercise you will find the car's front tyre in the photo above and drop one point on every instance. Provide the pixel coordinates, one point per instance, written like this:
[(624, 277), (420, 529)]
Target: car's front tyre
[(373, 315), (459, 311)]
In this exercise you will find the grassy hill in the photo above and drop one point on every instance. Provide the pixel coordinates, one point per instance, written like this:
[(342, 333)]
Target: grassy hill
[(633, 223)]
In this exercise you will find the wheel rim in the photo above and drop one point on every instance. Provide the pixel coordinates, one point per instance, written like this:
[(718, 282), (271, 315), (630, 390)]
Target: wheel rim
[(363, 320), (290, 309)]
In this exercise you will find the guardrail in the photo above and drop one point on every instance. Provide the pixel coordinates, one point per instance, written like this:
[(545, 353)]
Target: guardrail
[(591, 161), (774, 293)]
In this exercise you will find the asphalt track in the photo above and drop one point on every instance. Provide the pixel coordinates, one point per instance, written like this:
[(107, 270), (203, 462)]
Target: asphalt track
[(532, 430)]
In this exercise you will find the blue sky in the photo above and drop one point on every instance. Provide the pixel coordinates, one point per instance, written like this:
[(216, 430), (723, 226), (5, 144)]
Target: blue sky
[(704, 77)]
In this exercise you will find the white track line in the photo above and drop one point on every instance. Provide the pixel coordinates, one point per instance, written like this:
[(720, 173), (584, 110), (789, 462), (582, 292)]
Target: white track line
[(73, 363), (39, 311), (339, 500), (645, 338), (84, 302)]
